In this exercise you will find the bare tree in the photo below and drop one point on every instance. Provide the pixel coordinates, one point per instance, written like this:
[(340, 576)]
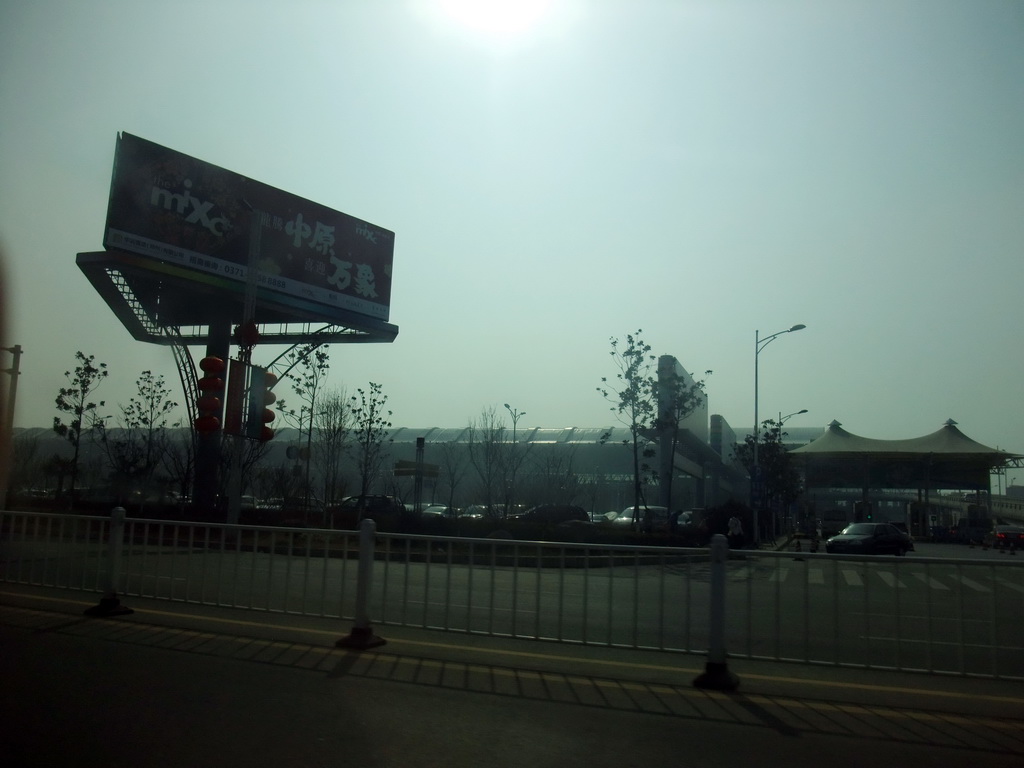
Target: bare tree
[(632, 397), (333, 427), (311, 364), (179, 458), (487, 454), (138, 446), (250, 455), (278, 482), (555, 479), (26, 465), (453, 466), (372, 422), (76, 401)]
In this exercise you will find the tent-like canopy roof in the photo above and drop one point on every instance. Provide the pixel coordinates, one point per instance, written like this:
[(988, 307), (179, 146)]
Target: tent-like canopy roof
[(946, 458), (945, 442)]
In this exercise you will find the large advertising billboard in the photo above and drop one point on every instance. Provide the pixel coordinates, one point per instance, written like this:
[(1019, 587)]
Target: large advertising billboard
[(174, 208)]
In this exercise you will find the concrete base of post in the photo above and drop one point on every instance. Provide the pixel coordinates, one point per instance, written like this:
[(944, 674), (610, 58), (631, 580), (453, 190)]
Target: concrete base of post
[(361, 639), (717, 677), (109, 605)]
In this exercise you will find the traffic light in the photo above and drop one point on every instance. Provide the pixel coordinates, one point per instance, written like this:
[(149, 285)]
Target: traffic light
[(261, 396), (211, 387)]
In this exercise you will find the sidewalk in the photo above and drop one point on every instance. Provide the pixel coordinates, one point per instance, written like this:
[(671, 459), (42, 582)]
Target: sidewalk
[(184, 685)]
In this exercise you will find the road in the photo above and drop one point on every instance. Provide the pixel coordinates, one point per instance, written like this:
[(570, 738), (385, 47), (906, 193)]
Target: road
[(936, 610), (174, 685)]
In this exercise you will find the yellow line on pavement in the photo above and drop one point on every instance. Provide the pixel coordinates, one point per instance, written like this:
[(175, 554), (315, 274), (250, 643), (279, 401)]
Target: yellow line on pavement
[(558, 658)]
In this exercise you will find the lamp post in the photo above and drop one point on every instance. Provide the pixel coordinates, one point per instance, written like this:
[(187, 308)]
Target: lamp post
[(7, 428), (783, 420), (516, 415), (760, 344)]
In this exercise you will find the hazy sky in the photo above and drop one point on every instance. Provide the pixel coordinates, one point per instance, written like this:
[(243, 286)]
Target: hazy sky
[(697, 169)]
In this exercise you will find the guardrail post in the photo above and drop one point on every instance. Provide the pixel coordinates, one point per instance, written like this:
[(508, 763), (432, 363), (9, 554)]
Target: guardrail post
[(362, 636), (110, 604), (716, 673)]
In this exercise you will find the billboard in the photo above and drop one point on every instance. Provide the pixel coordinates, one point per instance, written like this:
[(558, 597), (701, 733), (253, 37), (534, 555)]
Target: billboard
[(175, 209)]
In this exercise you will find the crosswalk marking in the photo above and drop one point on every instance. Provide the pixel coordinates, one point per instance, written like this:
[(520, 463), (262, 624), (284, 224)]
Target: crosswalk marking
[(933, 583), (971, 583), (1011, 585), (891, 580), (852, 578), (813, 574)]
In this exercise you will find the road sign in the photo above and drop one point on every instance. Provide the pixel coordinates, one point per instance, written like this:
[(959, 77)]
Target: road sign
[(409, 468)]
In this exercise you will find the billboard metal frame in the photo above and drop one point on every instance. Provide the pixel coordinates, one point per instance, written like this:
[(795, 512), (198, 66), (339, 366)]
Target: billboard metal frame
[(193, 249), (149, 298), (212, 226)]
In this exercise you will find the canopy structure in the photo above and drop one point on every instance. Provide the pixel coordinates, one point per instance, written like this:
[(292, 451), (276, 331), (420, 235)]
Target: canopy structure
[(945, 459)]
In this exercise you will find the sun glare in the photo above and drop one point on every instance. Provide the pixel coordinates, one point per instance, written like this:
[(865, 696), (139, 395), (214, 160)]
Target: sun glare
[(496, 19)]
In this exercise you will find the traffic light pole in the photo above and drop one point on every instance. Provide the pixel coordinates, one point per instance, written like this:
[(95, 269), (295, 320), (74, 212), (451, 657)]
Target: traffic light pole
[(208, 444)]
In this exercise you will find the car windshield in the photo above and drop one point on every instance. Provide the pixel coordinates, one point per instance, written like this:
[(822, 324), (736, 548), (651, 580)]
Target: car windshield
[(860, 529)]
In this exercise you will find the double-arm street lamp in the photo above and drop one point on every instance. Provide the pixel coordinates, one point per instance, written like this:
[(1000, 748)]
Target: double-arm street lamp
[(784, 419), (516, 415), (782, 447), (760, 344)]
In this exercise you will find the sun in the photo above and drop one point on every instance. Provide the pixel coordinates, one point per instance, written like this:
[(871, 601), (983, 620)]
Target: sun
[(496, 20), (496, 17)]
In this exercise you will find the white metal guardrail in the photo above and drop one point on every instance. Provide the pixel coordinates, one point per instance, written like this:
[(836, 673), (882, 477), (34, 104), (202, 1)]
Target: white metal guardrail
[(916, 614)]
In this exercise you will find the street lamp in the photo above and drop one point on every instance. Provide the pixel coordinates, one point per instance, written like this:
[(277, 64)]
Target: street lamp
[(516, 415), (760, 344), (785, 516), (784, 419)]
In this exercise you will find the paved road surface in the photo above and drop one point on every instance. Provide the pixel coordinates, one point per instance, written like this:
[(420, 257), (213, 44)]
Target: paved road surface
[(177, 685)]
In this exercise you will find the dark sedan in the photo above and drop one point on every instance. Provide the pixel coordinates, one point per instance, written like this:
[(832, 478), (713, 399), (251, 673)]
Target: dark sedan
[(553, 514), (1006, 537), (870, 539)]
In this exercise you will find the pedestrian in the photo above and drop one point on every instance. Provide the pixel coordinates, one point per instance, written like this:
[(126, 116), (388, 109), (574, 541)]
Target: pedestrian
[(735, 533)]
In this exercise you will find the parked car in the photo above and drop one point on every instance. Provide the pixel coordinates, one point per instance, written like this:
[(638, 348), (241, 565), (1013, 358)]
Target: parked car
[(652, 519), (387, 511), (870, 539), (480, 511), (1005, 537), (553, 514)]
